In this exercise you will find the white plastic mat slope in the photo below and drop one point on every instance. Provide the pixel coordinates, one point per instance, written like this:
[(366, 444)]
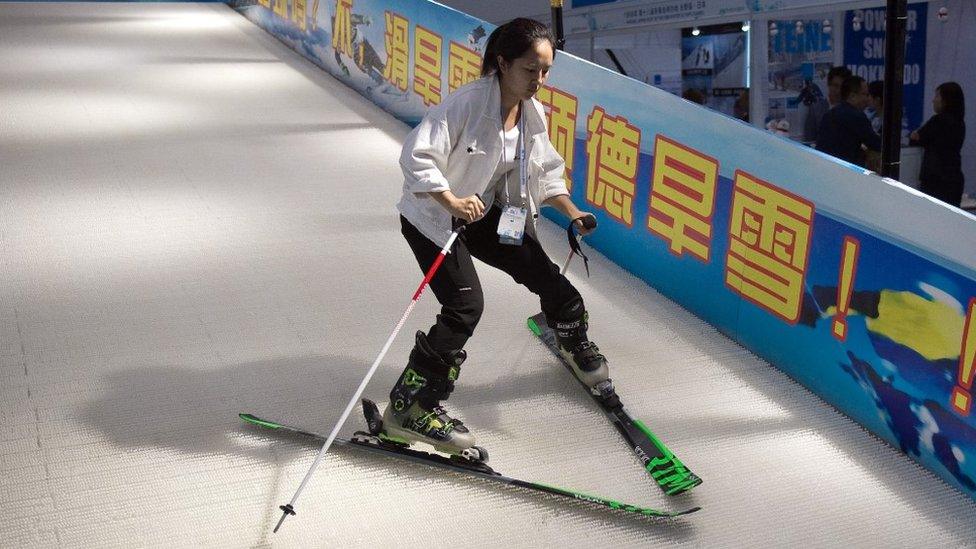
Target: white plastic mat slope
[(195, 222)]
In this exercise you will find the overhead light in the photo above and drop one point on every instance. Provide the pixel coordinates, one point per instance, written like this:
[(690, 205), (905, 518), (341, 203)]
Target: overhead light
[(827, 26), (773, 29), (695, 31), (745, 26)]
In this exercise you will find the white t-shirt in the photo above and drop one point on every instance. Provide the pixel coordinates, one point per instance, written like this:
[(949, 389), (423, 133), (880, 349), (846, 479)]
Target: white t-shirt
[(506, 166)]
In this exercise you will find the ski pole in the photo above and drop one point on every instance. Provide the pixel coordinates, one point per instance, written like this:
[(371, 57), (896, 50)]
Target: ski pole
[(289, 508), (589, 222)]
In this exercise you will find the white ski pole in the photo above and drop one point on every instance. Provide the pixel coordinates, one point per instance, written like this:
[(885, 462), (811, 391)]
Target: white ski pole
[(289, 508)]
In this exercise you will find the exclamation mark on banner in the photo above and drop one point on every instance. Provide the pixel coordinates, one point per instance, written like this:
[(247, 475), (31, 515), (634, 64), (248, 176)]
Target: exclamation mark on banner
[(848, 268), (961, 399)]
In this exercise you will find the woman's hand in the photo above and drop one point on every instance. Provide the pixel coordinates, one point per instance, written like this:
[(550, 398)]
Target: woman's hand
[(468, 209), (578, 222), (566, 207)]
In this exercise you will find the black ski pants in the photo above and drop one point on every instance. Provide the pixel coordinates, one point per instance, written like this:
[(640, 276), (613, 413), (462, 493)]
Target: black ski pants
[(458, 288)]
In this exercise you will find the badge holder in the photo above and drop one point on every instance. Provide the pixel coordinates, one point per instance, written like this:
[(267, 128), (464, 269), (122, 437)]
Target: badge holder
[(511, 226)]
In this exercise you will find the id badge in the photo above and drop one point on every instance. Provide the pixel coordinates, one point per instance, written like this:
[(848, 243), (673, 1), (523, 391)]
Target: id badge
[(511, 226)]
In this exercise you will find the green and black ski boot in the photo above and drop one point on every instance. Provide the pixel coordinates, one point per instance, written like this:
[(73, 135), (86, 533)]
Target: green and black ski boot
[(415, 413)]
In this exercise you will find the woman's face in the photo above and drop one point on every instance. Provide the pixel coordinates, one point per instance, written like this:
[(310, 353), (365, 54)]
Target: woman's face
[(526, 75), (937, 102)]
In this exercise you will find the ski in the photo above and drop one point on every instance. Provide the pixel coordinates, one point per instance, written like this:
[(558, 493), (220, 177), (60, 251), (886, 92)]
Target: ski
[(375, 444), (663, 466)]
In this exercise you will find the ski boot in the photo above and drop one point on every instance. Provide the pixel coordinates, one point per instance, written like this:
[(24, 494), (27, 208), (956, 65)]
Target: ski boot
[(415, 414), (375, 438), (589, 366)]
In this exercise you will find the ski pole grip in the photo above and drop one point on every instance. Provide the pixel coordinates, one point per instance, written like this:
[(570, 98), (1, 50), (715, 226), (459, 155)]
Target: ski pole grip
[(588, 221)]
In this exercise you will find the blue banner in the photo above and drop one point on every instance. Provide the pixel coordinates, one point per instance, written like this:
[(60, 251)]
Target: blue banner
[(864, 54)]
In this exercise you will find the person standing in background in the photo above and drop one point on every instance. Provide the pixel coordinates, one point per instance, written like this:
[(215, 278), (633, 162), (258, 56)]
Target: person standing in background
[(819, 109), (875, 110), (740, 109), (845, 131), (941, 139), (835, 81), (875, 114)]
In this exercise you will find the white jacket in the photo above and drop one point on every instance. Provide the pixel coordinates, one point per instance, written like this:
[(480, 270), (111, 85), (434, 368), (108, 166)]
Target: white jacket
[(457, 147)]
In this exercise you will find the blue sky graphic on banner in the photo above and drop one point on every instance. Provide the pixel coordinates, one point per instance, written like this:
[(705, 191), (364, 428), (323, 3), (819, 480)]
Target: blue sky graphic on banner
[(803, 259), (864, 54)]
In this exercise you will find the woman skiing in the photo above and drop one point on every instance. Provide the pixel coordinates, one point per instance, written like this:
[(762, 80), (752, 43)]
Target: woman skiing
[(483, 156)]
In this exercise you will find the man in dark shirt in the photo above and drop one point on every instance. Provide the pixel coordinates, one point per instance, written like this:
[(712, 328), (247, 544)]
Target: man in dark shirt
[(817, 106), (845, 128)]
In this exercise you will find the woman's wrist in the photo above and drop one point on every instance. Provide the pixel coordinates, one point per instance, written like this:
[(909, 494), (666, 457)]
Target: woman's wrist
[(444, 198), (565, 206)]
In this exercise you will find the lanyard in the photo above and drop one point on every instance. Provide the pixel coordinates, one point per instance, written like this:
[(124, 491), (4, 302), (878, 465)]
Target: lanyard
[(523, 166), (520, 155)]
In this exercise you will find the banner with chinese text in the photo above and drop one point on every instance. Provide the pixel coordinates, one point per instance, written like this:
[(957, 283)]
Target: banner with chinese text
[(839, 278)]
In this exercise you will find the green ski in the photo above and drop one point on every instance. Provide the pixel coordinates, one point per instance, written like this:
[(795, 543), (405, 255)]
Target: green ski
[(373, 443), (663, 466)]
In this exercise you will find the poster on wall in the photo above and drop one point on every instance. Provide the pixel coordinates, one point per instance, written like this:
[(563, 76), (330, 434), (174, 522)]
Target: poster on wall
[(630, 14), (717, 7), (714, 68), (801, 53), (588, 15), (864, 54)]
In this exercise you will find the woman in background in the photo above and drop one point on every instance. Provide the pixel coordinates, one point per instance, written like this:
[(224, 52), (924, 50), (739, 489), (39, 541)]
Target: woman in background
[(942, 137)]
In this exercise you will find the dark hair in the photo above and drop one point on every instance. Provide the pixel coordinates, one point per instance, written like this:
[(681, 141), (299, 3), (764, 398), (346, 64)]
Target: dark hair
[(953, 101), (851, 85), (876, 89), (512, 40), (839, 70)]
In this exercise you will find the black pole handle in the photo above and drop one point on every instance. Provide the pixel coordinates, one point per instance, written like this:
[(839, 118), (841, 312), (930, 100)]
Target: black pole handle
[(588, 221)]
